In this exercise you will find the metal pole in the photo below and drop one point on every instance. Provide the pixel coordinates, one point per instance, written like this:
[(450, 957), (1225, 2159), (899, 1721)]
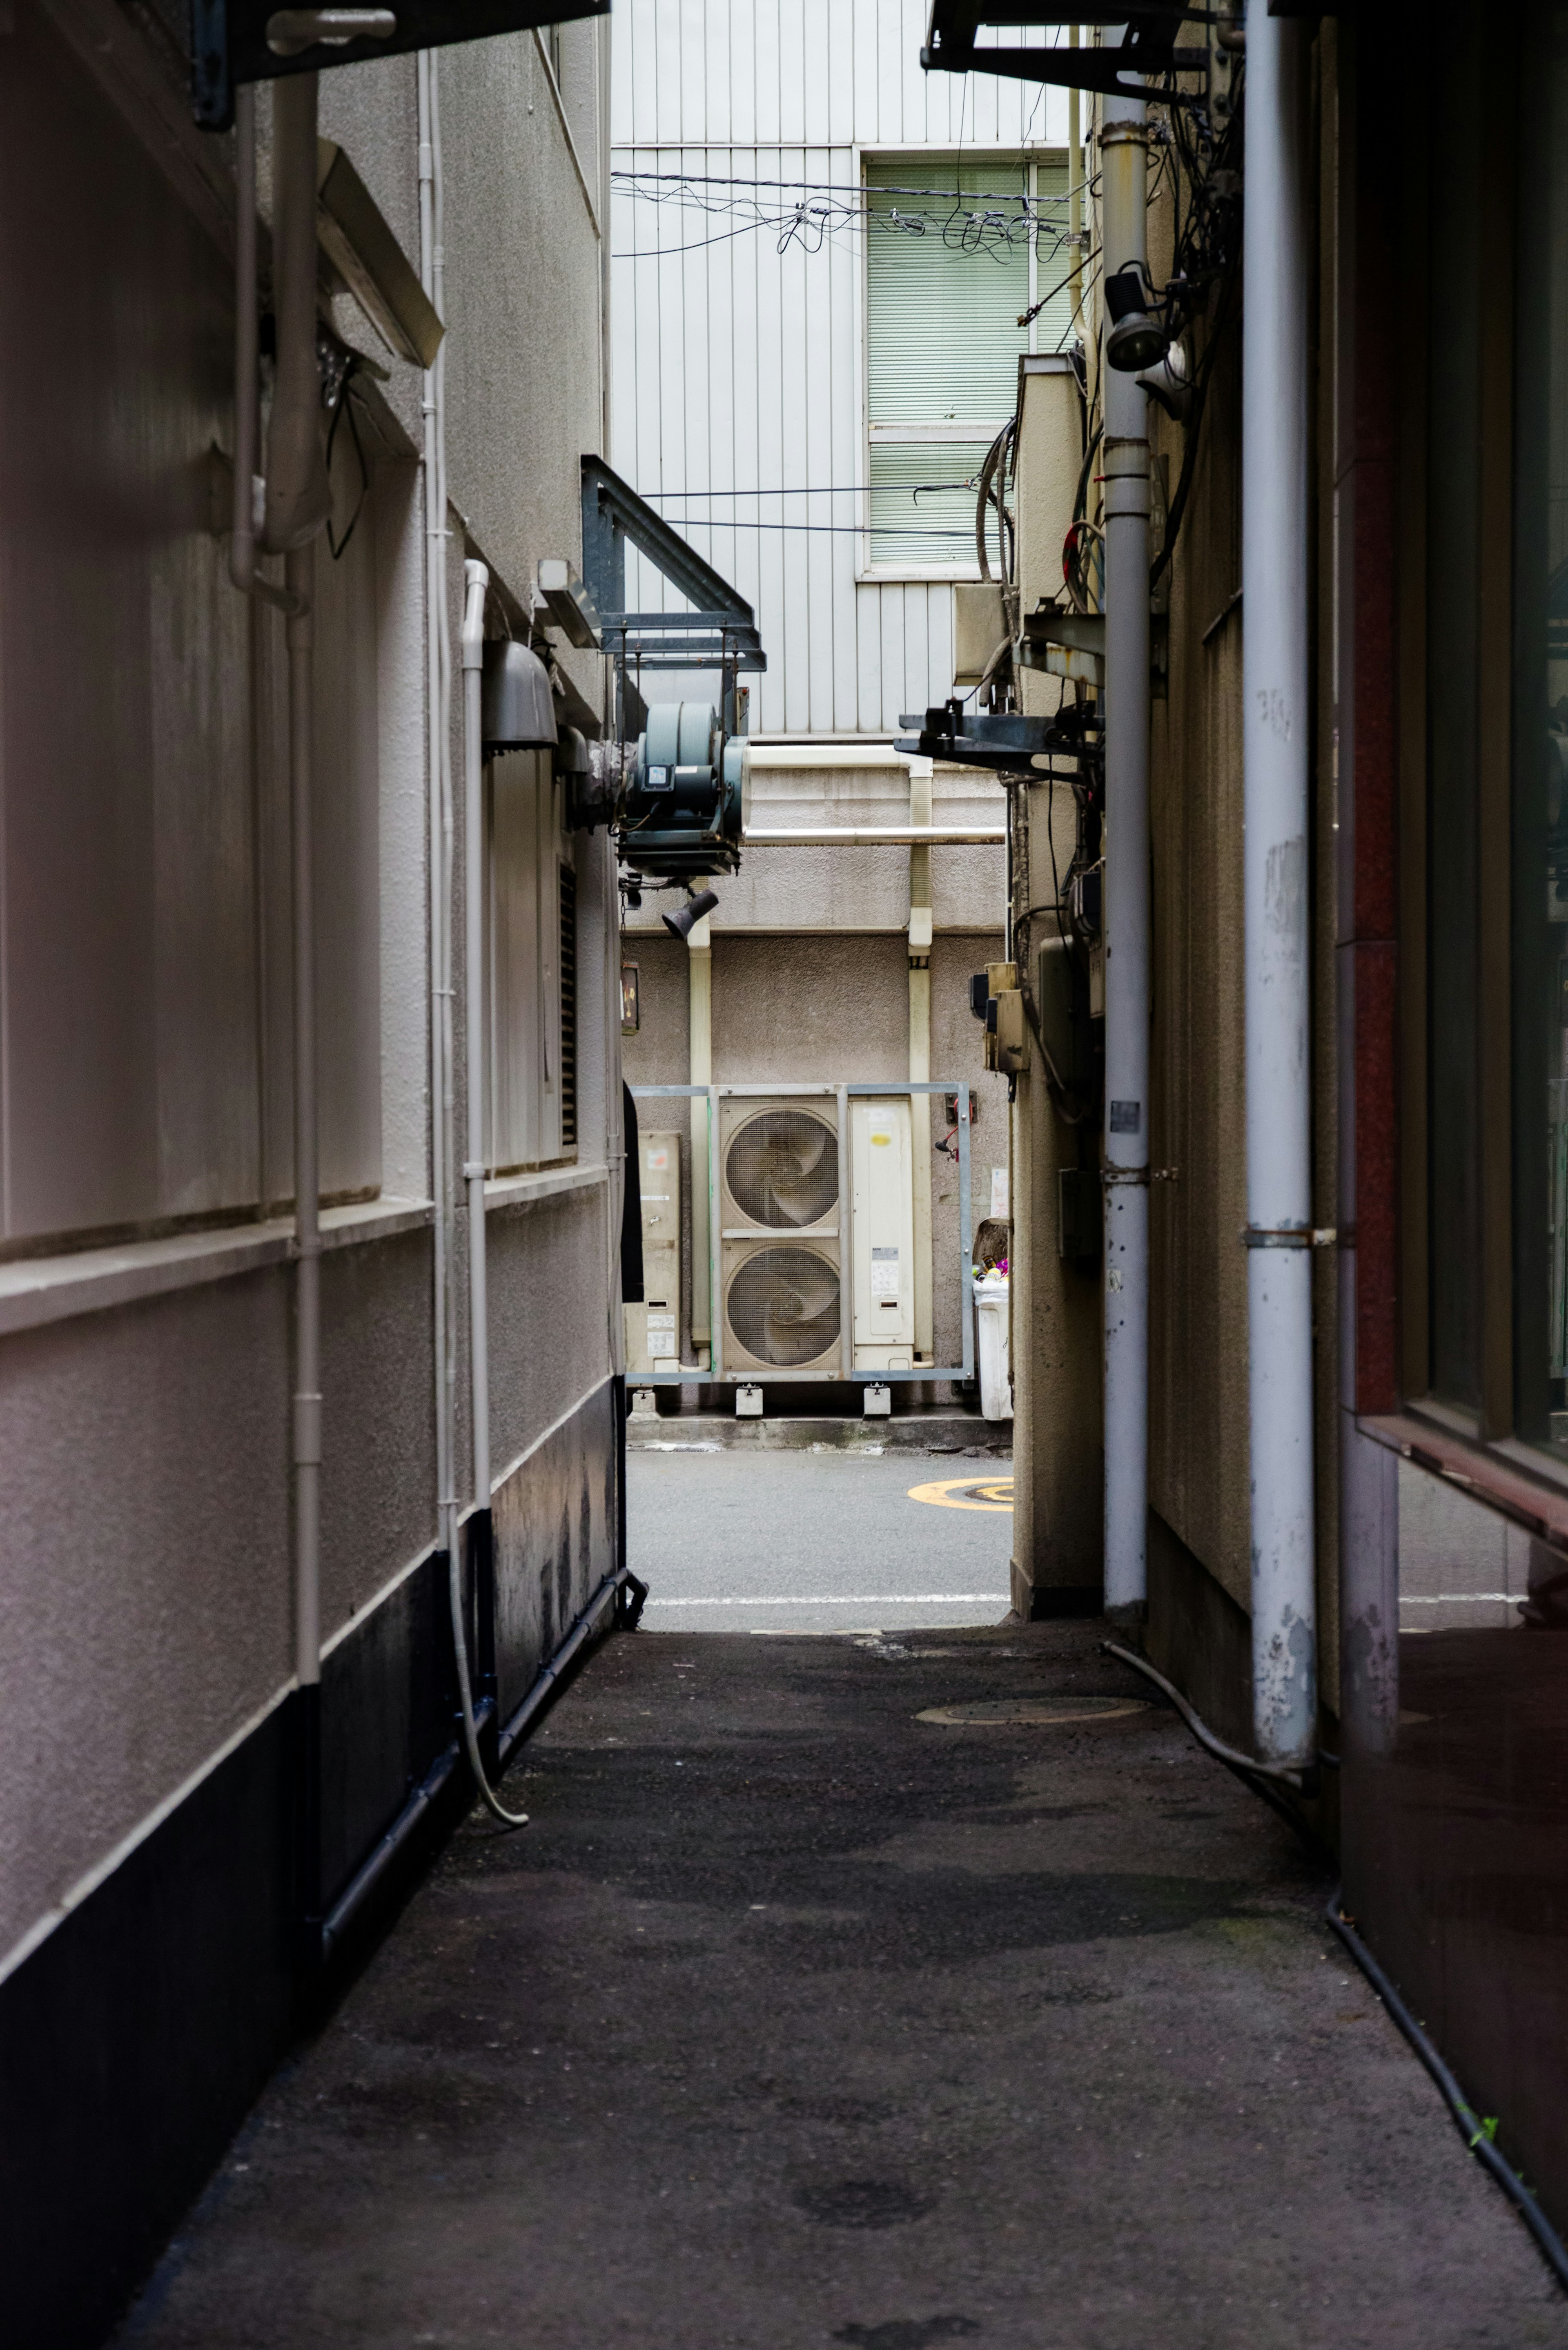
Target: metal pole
[(1126, 467), (1279, 1067)]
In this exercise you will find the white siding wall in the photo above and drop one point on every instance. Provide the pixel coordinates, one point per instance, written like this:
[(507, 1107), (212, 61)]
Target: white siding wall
[(737, 368)]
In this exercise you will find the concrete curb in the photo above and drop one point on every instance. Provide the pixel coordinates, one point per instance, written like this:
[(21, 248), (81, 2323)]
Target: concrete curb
[(936, 1432)]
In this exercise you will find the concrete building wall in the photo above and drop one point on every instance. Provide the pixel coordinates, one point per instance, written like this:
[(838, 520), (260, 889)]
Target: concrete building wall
[(150, 1930)]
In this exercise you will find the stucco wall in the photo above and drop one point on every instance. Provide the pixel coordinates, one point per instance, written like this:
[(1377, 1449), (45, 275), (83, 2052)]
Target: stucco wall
[(145, 1585)]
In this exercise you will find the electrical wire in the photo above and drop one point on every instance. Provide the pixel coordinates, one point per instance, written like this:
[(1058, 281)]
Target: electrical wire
[(1476, 2133)]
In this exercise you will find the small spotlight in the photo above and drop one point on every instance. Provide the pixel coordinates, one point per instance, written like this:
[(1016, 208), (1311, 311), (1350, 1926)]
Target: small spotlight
[(681, 925), (1170, 382), (1135, 340)]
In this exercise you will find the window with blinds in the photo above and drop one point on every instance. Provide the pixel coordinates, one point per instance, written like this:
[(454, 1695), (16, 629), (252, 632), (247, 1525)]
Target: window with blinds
[(950, 269)]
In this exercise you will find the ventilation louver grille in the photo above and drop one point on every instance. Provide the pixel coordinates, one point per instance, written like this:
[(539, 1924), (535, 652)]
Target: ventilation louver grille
[(782, 1170), (783, 1306)]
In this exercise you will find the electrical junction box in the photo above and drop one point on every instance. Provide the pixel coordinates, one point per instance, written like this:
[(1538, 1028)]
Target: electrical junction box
[(881, 1162), (980, 628), (1061, 993), (653, 1328), (1079, 1205)]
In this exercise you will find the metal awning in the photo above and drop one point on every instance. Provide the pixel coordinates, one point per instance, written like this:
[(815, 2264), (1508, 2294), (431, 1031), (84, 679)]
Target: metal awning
[(1148, 48), (256, 40)]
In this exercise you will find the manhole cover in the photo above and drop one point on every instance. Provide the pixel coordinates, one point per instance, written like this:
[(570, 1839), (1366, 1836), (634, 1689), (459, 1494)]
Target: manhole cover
[(1047, 1713)]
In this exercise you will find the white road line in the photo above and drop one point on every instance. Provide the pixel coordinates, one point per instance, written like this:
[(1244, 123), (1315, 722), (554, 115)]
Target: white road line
[(837, 1599)]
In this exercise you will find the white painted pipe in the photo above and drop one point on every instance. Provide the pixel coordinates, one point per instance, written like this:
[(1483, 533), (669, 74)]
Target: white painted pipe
[(437, 661), (295, 428), (875, 835), (476, 582), (1125, 465), (1278, 1042)]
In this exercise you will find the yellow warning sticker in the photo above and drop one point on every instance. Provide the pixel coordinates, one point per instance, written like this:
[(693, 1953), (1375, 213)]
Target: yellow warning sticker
[(966, 1493)]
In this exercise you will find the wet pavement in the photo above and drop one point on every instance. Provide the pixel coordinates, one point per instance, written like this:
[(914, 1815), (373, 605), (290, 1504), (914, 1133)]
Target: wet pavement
[(797, 2017)]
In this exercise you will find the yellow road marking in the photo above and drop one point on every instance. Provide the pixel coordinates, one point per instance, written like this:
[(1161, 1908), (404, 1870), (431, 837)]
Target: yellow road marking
[(966, 1493)]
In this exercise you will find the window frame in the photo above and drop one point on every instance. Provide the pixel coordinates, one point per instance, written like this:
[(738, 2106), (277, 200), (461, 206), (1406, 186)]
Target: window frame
[(1031, 151), (1489, 1432)]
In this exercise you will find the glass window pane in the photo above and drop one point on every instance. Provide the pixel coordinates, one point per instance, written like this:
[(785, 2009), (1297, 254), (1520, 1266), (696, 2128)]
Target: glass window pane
[(1541, 740), (922, 503), (1453, 528)]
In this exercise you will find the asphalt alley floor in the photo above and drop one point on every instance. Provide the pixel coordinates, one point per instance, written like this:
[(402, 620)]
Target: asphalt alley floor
[(797, 2017), (731, 1541)]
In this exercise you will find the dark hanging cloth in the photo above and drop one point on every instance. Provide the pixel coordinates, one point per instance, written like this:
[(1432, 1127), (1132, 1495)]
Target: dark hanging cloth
[(631, 1288)]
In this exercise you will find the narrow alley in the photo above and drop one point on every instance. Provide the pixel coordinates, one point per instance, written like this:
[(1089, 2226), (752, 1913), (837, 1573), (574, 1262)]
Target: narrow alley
[(783, 1175), (879, 1989)]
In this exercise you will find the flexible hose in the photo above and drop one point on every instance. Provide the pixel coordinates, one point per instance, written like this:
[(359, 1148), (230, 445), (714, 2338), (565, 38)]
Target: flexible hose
[(1200, 1728), (1471, 2128), (488, 1796)]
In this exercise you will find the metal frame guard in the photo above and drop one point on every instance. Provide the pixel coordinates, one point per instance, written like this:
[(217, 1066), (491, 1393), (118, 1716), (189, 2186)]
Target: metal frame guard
[(842, 1095)]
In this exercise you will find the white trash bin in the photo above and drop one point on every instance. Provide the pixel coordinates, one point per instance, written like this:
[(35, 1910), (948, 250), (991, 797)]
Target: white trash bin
[(991, 1315)]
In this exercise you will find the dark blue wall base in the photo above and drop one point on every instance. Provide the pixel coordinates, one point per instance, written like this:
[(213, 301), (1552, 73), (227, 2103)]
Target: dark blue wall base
[(137, 2036)]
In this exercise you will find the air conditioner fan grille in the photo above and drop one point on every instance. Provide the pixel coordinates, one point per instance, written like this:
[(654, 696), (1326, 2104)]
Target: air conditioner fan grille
[(783, 1306), (781, 1168)]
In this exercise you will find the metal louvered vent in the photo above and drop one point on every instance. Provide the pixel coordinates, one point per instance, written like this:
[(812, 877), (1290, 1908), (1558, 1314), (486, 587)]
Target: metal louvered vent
[(782, 1169), (783, 1306)]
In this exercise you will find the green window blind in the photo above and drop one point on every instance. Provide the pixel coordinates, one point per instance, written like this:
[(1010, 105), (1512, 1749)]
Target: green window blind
[(943, 301)]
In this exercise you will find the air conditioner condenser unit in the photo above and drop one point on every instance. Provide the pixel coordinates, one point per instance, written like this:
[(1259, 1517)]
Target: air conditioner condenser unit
[(780, 1238)]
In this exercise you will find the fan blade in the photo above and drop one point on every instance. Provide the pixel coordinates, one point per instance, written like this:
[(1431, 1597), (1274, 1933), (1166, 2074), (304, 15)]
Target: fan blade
[(789, 1344), (810, 1294)]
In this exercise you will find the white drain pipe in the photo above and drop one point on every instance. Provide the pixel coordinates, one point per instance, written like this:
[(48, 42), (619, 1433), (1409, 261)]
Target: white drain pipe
[(1125, 471), (1279, 1065), (438, 658), (476, 583)]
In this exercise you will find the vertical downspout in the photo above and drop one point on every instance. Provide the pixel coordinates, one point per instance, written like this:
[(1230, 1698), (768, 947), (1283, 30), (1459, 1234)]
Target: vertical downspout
[(1127, 899), (1276, 738), (439, 752), (476, 581), (920, 958), (300, 576), (295, 497), (700, 1000)]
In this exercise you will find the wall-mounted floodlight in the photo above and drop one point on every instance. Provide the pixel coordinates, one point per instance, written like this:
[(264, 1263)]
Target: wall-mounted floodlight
[(681, 925), (1136, 339), (371, 263), (516, 712), (1170, 382), (571, 606)]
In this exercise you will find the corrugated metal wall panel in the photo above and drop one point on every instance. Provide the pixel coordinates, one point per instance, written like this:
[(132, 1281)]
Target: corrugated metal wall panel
[(738, 368)]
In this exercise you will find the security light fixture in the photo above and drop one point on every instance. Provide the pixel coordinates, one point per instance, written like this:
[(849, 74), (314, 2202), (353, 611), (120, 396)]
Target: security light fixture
[(1136, 339), (681, 925), (1170, 382)]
